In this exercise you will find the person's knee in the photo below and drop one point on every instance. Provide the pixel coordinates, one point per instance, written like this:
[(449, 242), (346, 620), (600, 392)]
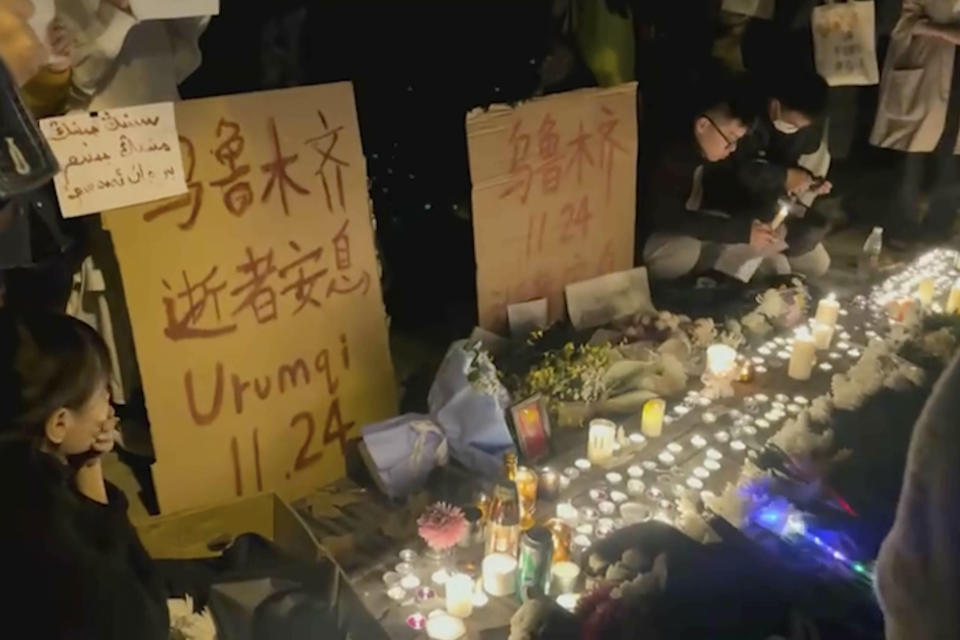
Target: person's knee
[(814, 263), (667, 258)]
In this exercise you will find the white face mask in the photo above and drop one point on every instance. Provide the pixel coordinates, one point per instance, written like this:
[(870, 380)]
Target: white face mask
[(785, 127)]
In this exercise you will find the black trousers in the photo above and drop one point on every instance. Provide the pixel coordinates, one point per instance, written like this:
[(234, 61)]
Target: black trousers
[(935, 174)]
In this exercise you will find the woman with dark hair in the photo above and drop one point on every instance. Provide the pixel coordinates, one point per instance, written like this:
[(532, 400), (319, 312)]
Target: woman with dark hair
[(74, 565)]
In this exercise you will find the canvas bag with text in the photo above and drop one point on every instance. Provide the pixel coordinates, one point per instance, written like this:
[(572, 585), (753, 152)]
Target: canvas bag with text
[(845, 43), (753, 8)]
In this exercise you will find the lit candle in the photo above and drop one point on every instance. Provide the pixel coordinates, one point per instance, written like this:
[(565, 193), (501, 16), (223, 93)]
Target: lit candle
[(953, 300), (445, 627), (780, 217), (563, 577), (614, 478), (803, 356), (600, 439), (925, 291), (499, 574), (568, 601), (566, 512), (822, 335), (651, 422), (549, 483), (827, 310), (721, 360)]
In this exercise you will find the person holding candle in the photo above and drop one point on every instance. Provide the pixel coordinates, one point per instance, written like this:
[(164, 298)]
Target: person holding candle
[(690, 234)]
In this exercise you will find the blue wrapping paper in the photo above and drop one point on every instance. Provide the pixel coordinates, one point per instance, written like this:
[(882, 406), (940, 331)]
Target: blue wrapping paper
[(468, 422), (404, 451), (474, 420)]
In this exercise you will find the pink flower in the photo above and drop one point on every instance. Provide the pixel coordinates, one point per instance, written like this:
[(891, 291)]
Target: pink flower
[(441, 525)]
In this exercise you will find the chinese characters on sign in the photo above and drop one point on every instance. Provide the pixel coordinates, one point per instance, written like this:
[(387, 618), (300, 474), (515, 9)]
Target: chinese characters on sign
[(553, 196), (257, 314), (115, 158)]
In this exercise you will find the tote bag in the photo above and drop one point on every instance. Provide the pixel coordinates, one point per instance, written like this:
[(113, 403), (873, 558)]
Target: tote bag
[(753, 8), (844, 43)]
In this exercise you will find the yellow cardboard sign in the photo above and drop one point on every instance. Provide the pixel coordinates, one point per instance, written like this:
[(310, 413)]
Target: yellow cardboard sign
[(255, 298), (554, 196)]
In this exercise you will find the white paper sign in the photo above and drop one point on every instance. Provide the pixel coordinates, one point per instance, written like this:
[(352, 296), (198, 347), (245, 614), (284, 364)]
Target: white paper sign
[(170, 9), (115, 158), (525, 317), (592, 303)]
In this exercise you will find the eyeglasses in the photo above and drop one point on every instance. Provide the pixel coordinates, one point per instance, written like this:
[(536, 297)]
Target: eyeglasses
[(731, 144)]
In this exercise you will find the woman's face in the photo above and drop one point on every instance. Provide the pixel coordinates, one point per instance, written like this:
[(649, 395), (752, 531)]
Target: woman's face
[(91, 427)]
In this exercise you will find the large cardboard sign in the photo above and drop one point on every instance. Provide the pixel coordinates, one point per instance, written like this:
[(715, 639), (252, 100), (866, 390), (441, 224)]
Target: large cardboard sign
[(554, 196), (255, 298)]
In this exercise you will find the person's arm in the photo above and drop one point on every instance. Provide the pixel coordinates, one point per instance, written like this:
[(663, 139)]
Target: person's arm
[(670, 214), (89, 481)]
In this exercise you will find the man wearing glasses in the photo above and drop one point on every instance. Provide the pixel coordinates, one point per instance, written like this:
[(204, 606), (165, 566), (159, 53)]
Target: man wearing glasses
[(689, 237)]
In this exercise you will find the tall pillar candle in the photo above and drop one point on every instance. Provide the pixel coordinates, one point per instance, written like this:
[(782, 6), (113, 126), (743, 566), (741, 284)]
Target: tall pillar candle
[(651, 421), (803, 356), (459, 595), (822, 335), (827, 310), (925, 291), (600, 440), (953, 300)]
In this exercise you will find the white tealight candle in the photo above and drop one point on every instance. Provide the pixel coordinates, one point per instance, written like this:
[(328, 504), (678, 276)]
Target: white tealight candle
[(410, 581), (783, 355), (614, 478), (801, 400), (635, 487), (681, 410), (711, 465), (636, 439), (698, 441), (722, 436), (793, 408), (569, 601), (765, 351), (737, 445), (674, 447), (762, 424), (635, 471), (827, 310), (445, 627), (582, 463), (803, 357), (600, 440), (714, 454), (585, 529), (607, 508), (460, 595), (825, 366), (566, 512), (499, 574), (695, 483), (708, 417), (666, 457), (701, 473), (618, 496), (759, 369)]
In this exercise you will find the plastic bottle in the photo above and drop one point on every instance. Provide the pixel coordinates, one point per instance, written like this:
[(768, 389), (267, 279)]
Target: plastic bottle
[(870, 256)]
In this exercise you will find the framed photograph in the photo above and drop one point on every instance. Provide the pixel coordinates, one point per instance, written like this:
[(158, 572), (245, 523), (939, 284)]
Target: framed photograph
[(532, 424)]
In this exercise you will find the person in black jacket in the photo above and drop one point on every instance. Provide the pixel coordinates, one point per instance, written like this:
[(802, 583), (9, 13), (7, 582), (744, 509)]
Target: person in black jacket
[(72, 561)]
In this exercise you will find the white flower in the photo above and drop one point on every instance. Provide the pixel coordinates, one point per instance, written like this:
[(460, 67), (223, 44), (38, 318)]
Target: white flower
[(772, 304), (797, 440), (756, 323), (733, 334), (703, 332), (821, 408), (939, 344)]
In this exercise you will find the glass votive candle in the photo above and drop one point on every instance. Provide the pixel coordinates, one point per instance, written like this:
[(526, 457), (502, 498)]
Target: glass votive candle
[(601, 436), (549, 484), (579, 548), (425, 593), (391, 578), (459, 590), (408, 555), (409, 581), (417, 621), (526, 481)]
